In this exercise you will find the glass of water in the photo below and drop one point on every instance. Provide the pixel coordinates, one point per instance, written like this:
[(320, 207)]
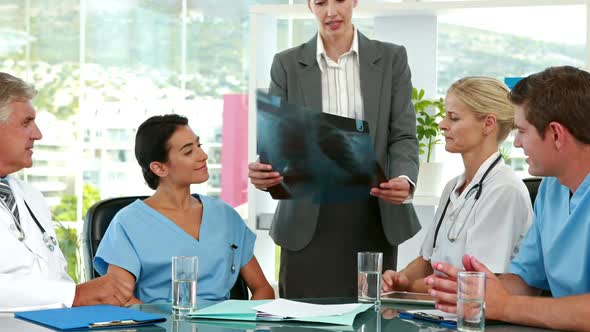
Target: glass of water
[(184, 285), (369, 277), (471, 291)]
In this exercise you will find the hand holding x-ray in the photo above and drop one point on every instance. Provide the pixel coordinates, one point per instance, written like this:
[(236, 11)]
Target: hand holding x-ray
[(319, 154)]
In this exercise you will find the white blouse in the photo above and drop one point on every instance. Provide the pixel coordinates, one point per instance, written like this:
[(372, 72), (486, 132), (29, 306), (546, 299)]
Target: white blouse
[(489, 228), (341, 84)]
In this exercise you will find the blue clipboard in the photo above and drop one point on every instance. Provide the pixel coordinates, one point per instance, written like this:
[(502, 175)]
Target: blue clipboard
[(89, 318), (449, 324)]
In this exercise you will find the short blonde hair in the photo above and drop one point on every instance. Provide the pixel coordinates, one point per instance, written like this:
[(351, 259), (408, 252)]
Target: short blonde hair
[(486, 95), (13, 89)]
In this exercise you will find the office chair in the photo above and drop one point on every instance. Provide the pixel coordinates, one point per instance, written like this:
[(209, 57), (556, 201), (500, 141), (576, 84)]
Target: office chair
[(97, 220), (532, 184)]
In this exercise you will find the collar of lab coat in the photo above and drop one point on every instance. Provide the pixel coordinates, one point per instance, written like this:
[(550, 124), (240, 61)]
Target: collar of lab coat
[(458, 200)]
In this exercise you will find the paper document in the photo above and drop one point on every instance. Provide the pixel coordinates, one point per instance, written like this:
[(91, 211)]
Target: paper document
[(244, 310), (292, 309)]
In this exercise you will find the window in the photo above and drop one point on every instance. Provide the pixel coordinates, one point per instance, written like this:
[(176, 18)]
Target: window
[(121, 156), (215, 178), (138, 59), (131, 60), (116, 135), (479, 42), (91, 177)]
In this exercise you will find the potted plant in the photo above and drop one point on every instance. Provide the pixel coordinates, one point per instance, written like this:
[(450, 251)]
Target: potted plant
[(429, 112), (428, 115)]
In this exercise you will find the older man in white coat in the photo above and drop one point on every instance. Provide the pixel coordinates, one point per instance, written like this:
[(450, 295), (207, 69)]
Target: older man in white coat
[(32, 266)]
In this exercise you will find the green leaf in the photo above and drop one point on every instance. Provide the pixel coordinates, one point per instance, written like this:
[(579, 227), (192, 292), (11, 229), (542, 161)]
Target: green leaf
[(421, 105), (429, 112)]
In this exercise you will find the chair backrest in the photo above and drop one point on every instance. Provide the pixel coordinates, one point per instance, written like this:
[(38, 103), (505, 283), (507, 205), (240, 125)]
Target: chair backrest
[(97, 220), (532, 184)]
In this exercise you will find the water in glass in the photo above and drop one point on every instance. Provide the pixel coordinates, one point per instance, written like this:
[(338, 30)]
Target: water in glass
[(184, 296), (369, 285), (470, 315)]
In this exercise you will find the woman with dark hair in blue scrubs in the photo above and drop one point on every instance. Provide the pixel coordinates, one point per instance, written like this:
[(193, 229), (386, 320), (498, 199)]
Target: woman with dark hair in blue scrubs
[(143, 237)]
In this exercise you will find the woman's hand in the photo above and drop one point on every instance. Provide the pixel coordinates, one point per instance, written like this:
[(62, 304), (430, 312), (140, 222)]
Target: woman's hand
[(262, 175), (393, 281), (395, 191)]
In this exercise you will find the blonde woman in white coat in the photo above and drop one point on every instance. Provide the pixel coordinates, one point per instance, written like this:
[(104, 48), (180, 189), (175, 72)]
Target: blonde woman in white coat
[(486, 210)]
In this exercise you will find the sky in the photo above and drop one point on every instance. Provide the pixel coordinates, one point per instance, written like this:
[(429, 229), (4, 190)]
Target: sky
[(564, 24)]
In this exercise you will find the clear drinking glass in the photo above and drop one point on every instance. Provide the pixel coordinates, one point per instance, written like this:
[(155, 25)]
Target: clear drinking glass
[(471, 289), (184, 285), (369, 277)]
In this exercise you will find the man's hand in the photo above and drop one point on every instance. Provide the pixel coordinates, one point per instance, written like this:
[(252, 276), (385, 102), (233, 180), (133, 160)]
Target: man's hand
[(262, 175), (444, 288), (133, 301), (395, 191), (108, 289)]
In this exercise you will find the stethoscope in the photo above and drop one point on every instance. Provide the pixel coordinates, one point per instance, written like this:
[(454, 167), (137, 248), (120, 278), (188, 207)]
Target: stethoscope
[(49, 241), (478, 190)]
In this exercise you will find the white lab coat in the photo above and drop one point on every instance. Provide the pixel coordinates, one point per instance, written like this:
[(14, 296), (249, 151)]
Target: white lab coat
[(493, 229), (31, 276)]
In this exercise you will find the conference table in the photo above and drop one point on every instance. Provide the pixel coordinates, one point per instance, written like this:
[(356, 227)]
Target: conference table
[(384, 319)]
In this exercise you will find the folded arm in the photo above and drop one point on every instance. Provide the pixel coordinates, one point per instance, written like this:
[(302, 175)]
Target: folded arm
[(115, 287), (410, 279)]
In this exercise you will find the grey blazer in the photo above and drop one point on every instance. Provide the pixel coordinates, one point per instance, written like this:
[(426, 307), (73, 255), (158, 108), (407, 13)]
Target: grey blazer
[(386, 89)]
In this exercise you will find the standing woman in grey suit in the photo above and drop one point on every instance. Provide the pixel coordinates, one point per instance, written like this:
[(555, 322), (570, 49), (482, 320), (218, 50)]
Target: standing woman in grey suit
[(342, 72)]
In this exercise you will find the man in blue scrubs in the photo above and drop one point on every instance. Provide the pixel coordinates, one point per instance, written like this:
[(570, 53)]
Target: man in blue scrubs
[(553, 122)]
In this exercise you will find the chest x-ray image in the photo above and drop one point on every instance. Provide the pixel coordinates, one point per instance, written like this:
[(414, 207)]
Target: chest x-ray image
[(326, 156)]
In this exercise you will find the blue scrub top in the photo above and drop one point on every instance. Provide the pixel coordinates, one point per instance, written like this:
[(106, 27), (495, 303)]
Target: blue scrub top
[(555, 254), (143, 241)]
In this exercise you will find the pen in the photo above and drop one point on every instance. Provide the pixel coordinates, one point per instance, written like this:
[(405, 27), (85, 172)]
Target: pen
[(233, 247), (428, 316), (113, 323)]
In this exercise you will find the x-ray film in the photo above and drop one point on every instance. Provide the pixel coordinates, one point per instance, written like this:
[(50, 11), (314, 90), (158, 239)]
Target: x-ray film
[(328, 157)]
